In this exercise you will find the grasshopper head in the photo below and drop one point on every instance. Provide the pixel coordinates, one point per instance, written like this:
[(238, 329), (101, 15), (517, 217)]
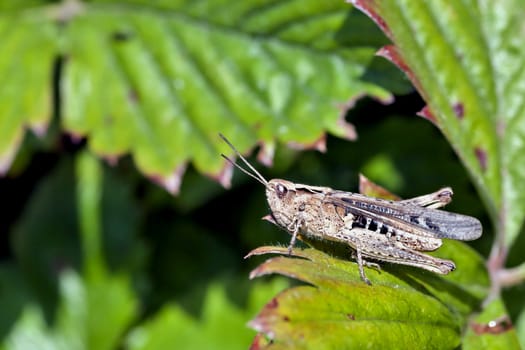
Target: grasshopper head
[(280, 195)]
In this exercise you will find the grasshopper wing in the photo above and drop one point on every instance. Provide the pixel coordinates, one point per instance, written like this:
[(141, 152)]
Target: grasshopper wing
[(408, 217)]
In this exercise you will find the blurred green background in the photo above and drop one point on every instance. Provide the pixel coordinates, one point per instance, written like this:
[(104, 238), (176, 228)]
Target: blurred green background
[(94, 254)]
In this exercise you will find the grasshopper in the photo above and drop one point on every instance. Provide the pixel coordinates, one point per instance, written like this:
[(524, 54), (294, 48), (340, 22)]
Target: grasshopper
[(375, 229)]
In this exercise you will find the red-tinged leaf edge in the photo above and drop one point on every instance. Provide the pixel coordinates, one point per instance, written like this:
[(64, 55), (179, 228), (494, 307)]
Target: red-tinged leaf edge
[(365, 7), (391, 53), (8, 157), (492, 328), (266, 153), (259, 342), (172, 182), (371, 189), (499, 325), (428, 115), (318, 145)]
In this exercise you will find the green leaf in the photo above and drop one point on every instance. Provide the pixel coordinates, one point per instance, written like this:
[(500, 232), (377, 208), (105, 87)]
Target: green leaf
[(111, 306), (45, 239), (491, 329), (91, 315), (29, 47), (465, 58), (89, 193), (94, 310), (164, 82), (158, 80), (408, 309), (520, 328), (221, 325), (14, 294), (110, 300)]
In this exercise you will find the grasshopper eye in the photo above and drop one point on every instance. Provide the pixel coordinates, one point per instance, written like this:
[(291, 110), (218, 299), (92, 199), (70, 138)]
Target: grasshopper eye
[(281, 190)]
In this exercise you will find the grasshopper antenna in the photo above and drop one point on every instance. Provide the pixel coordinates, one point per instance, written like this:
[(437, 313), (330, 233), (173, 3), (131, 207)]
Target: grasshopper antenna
[(256, 175)]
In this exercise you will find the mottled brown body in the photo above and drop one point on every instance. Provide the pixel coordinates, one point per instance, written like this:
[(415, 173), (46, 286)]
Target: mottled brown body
[(376, 229)]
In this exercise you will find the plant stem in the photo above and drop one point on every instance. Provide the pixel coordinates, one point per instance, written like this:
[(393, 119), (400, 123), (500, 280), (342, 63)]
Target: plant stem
[(496, 261), (511, 277)]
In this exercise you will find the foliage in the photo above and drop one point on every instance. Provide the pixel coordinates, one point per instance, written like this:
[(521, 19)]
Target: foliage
[(156, 78), (100, 257), (409, 310)]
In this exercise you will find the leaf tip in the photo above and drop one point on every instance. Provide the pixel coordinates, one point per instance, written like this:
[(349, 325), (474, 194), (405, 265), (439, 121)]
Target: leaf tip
[(76, 137), (263, 269), (224, 176), (348, 129), (369, 188), (266, 153), (428, 115), (262, 322), (39, 129), (368, 8), (259, 271), (111, 159), (7, 158), (173, 181), (318, 145), (272, 250), (5, 161)]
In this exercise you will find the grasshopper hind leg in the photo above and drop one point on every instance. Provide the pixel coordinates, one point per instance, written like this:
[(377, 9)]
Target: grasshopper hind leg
[(434, 200), (370, 245), (360, 264)]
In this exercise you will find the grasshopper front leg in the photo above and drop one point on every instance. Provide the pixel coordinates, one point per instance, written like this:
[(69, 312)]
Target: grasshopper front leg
[(294, 228)]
